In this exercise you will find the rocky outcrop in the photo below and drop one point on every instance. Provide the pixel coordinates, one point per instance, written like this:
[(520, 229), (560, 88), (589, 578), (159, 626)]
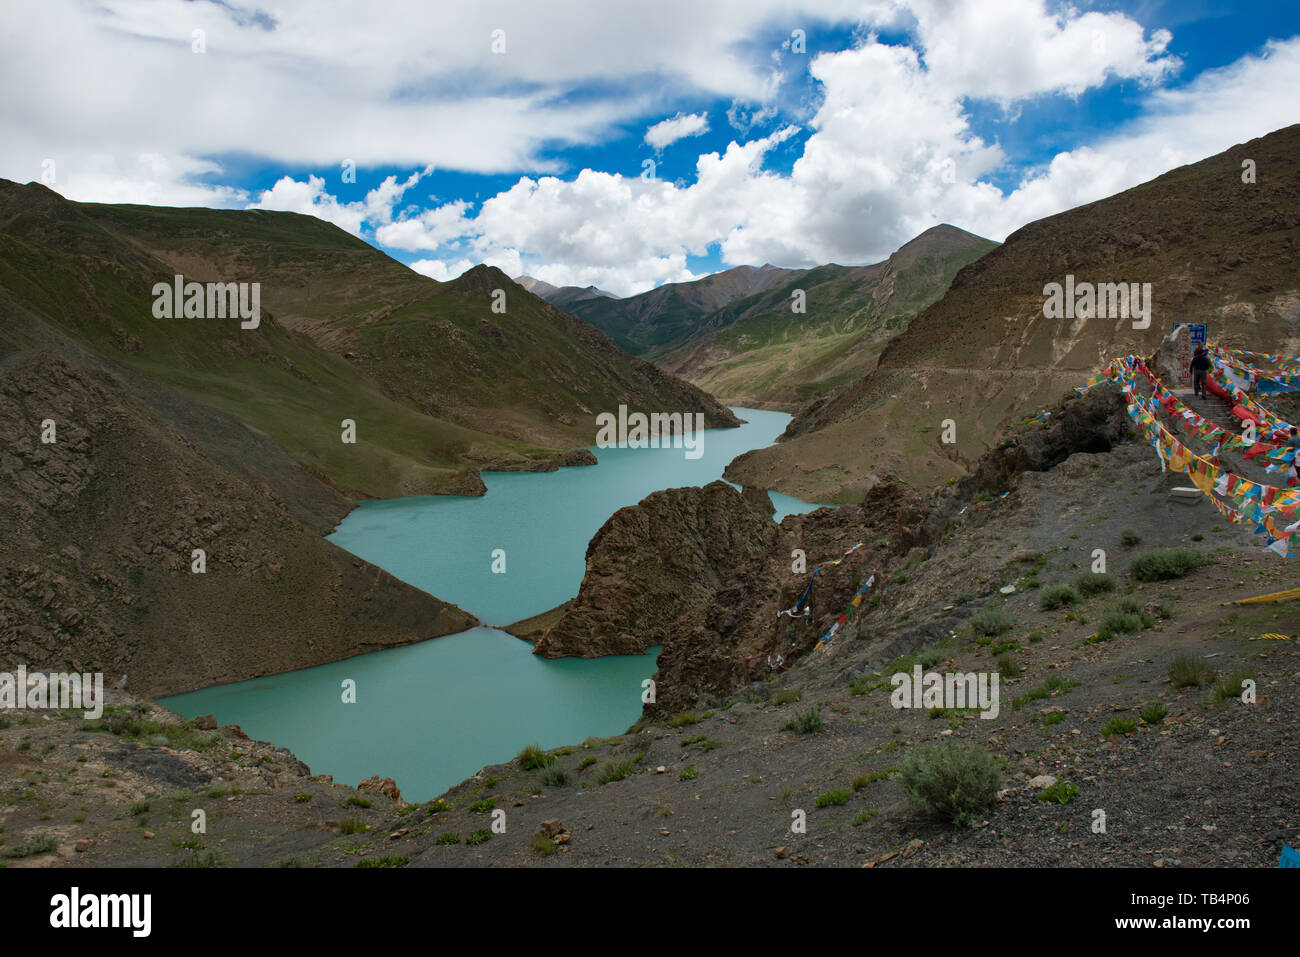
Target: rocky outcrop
[(1093, 422), (704, 571), (654, 569)]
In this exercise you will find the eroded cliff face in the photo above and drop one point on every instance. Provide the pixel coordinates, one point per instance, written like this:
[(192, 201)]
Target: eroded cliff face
[(655, 568), (703, 572)]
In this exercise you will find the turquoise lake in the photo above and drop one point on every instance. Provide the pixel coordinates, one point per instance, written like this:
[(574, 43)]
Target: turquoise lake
[(432, 714)]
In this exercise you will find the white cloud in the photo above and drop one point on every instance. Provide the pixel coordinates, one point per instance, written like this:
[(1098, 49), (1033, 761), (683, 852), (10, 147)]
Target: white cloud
[(1010, 49), (113, 94), (310, 197), (678, 127)]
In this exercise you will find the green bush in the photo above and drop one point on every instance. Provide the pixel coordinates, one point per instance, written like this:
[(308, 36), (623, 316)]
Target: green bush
[(554, 777), (862, 817), (615, 770), (391, 861), (806, 722), (449, 837), (1154, 713), (42, 845), (1189, 671), (1008, 667), (682, 718), (834, 797), (1059, 793), (541, 844), (991, 622), (1118, 725), (533, 757), (480, 836), (1094, 583), (1230, 686), (786, 696), (1119, 622), (1129, 538), (952, 781), (688, 773), (352, 825), (1057, 596), (1162, 564), (357, 800)]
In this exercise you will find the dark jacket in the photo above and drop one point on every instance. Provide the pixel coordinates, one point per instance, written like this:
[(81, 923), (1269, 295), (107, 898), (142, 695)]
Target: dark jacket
[(1201, 363)]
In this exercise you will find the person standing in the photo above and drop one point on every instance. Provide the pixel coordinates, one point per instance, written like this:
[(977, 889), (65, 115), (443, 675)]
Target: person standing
[(1200, 371)]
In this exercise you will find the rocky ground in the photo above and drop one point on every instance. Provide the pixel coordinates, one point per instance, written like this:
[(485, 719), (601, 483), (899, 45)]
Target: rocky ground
[(717, 779)]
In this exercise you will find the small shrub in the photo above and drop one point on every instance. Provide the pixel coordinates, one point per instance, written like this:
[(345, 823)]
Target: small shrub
[(140, 807), (352, 825), (1057, 596), (1189, 671), (786, 696), (481, 836), (1118, 725), (533, 757), (862, 817), (1094, 583), (1119, 622), (1129, 538), (688, 773), (615, 771), (1154, 713), (483, 806), (395, 860), (952, 781), (541, 844), (1231, 686), (807, 721), (448, 837), (927, 658), (554, 777), (683, 718), (1053, 717), (1008, 667), (1162, 564), (357, 800), (834, 797), (586, 762), (302, 798), (42, 845), (1059, 793), (991, 622)]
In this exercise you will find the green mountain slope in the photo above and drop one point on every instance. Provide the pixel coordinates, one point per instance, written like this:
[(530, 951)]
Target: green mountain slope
[(757, 351), (659, 320), (436, 382)]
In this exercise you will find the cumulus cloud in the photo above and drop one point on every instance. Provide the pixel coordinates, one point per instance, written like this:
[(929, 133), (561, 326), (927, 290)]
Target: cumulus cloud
[(310, 197), (675, 128), (883, 148)]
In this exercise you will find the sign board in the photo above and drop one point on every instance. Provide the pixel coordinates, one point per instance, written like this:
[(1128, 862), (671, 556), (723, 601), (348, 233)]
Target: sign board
[(1196, 331)]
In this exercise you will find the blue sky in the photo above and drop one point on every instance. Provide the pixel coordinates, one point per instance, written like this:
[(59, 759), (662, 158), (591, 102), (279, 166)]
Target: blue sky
[(896, 115)]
